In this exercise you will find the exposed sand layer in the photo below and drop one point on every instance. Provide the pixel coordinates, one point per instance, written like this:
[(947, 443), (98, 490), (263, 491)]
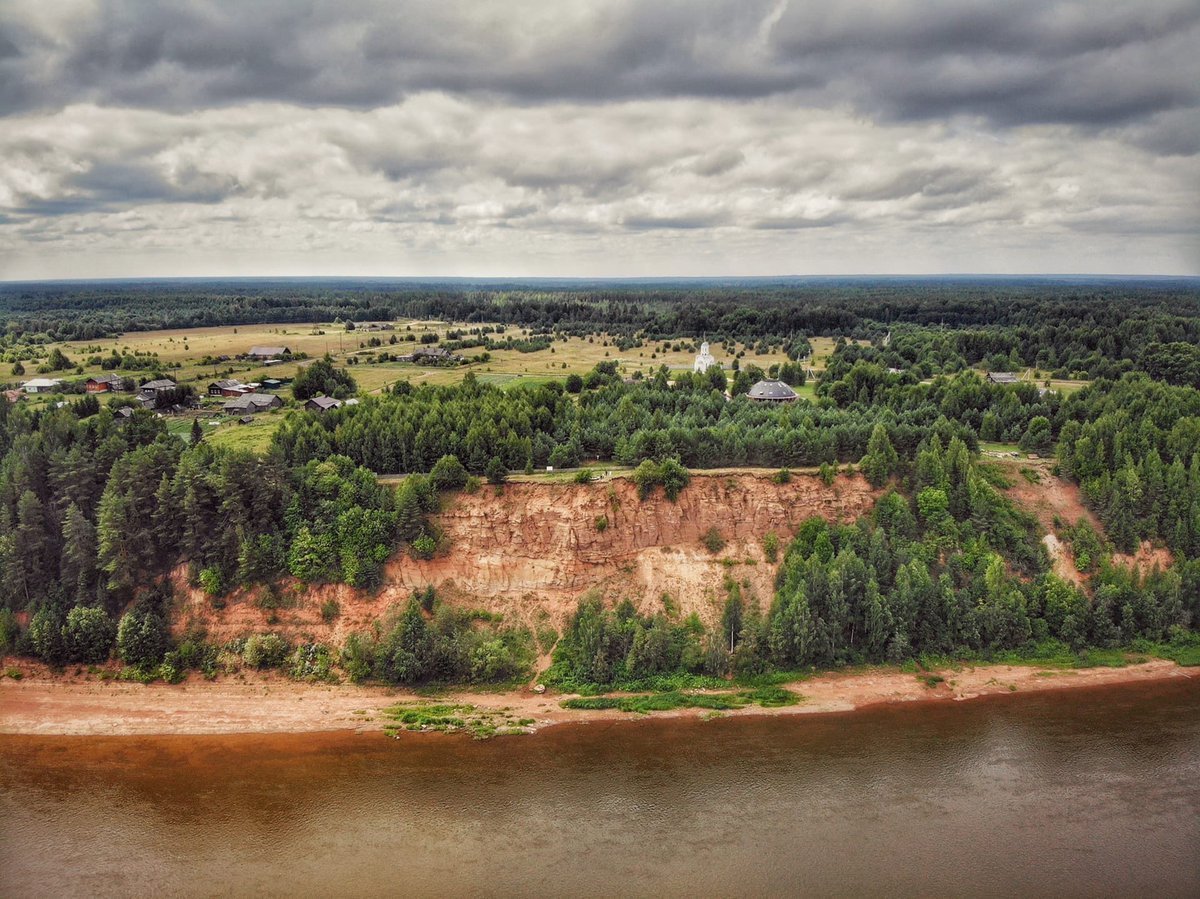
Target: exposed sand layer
[(1052, 499), (529, 553), (38, 704)]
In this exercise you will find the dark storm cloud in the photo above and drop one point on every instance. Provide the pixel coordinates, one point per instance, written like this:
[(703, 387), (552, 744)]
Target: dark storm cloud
[(1012, 62)]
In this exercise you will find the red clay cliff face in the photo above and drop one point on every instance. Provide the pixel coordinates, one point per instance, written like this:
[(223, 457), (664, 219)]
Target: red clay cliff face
[(532, 551)]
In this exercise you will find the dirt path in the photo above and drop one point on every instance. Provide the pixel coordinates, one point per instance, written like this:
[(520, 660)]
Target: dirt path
[(40, 705), (1047, 498), (1050, 497)]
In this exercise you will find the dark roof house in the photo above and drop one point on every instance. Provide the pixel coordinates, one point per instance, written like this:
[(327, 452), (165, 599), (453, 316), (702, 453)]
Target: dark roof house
[(322, 404), (104, 383), (268, 352), (435, 355), (253, 402), (228, 387), (772, 392), (158, 385)]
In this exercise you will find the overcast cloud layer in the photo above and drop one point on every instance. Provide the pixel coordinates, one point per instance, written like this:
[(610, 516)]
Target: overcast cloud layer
[(598, 138)]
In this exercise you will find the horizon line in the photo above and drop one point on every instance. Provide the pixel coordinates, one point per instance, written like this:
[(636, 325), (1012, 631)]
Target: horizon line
[(995, 276)]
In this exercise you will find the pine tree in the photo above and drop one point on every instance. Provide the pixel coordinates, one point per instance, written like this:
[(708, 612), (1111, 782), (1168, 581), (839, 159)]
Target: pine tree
[(1121, 518), (31, 559), (879, 624), (77, 569), (881, 460)]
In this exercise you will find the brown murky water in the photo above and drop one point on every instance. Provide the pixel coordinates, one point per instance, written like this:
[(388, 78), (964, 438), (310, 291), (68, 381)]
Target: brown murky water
[(1091, 792)]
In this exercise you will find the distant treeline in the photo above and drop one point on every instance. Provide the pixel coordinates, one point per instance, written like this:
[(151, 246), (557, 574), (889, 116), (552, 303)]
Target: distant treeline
[(1099, 328)]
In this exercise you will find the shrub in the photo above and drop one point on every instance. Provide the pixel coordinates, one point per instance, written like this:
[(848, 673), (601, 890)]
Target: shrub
[(713, 541), (89, 634), (583, 476), (265, 651), (674, 478), (313, 662), (424, 547), (601, 523), (448, 474), (493, 660), (9, 631), (783, 476), (670, 474), (330, 610), (771, 546), (828, 473), (142, 636), (211, 581), (358, 657), (192, 652), (547, 636), (646, 477), (427, 597), (46, 637), (496, 471)]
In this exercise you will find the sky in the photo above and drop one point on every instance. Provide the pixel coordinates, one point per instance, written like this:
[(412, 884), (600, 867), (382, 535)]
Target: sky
[(592, 139)]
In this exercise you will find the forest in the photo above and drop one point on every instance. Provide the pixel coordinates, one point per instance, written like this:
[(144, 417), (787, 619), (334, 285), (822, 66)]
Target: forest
[(96, 510), (1101, 327)]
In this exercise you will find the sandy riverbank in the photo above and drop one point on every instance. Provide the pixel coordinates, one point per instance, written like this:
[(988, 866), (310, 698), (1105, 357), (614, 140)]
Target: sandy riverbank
[(38, 704)]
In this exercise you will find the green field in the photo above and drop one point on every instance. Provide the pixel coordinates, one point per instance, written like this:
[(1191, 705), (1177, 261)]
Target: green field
[(186, 349), (255, 437), (180, 354)]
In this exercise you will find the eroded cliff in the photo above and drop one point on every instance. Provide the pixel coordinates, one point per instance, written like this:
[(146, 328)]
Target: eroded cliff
[(531, 550)]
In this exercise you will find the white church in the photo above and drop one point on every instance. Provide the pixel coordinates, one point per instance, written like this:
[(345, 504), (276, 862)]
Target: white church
[(705, 360)]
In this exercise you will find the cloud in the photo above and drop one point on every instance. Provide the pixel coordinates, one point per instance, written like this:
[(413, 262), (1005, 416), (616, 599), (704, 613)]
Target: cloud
[(630, 137), (1013, 62)]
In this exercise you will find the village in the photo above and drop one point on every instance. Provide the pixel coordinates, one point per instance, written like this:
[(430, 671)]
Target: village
[(245, 383)]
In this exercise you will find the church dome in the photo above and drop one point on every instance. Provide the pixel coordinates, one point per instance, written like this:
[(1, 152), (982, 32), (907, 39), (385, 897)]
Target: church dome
[(776, 391)]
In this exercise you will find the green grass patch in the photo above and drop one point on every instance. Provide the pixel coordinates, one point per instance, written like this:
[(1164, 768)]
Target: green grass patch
[(644, 704), (452, 718), (994, 476), (1183, 650), (1105, 658), (1187, 656), (770, 697), (992, 446), (254, 437)]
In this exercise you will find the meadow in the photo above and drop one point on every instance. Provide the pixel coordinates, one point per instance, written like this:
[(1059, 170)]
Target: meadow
[(187, 356), (186, 348)]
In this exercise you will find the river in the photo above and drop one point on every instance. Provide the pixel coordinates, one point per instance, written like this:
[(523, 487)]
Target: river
[(1081, 793)]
